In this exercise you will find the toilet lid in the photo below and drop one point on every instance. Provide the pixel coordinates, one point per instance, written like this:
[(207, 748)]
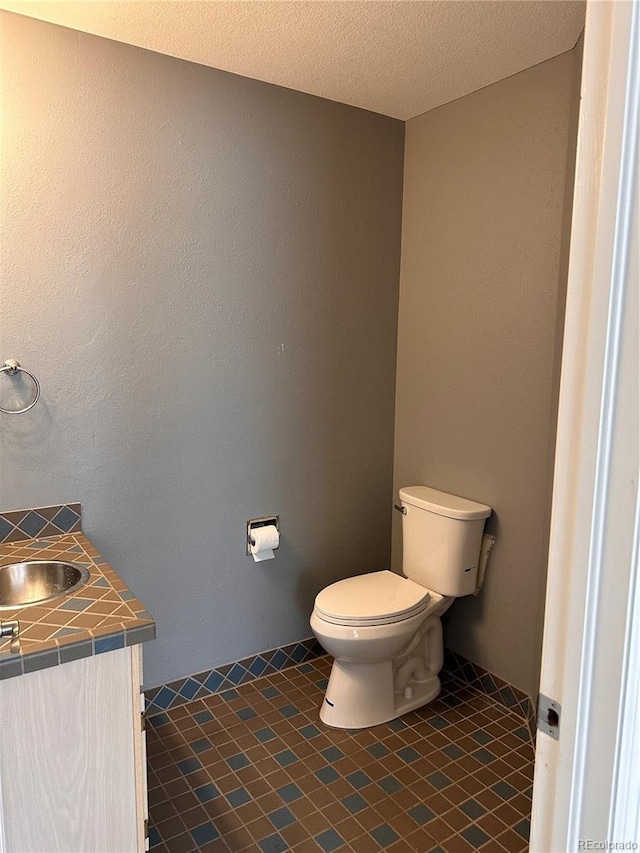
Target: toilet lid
[(378, 596)]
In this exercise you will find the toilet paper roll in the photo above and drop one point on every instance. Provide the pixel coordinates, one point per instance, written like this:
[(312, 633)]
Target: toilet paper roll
[(265, 539)]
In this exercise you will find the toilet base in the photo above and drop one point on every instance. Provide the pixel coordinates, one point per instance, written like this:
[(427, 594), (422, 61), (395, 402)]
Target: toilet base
[(361, 695)]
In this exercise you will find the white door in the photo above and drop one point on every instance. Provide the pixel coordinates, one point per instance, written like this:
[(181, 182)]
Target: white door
[(587, 781)]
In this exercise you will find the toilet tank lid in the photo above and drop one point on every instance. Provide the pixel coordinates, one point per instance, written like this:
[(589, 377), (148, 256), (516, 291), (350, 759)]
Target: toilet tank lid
[(443, 503)]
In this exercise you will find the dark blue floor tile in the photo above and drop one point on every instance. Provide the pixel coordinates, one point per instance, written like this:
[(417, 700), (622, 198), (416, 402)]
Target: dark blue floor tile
[(329, 840), (384, 835), (354, 803), (503, 789), (482, 737), (273, 844), (266, 734), (358, 779), (438, 780), (281, 818), (286, 757), (523, 828), (208, 792), (154, 837), (189, 765), (421, 814), (408, 754), (473, 809), (332, 753), (327, 774), (205, 833), (475, 836), (289, 793), (378, 750), (236, 762), (246, 713), (453, 751), (238, 797), (390, 784), (203, 717)]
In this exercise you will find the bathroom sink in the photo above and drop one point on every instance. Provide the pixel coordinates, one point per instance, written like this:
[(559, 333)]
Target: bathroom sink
[(36, 581)]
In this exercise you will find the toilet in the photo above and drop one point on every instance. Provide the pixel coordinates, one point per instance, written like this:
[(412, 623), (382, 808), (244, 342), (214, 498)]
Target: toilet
[(383, 629)]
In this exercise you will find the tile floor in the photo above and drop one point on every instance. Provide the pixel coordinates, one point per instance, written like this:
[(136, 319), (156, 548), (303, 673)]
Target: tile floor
[(253, 769)]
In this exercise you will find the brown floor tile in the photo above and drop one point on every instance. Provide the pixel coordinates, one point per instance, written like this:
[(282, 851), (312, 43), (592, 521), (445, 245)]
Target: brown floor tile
[(294, 834), (400, 846), (216, 809), (168, 773), (308, 846), (227, 823), (507, 814), (369, 818), (194, 817), (260, 828), (471, 785), (437, 803), (512, 842), (258, 787), (456, 819), (302, 807), (315, 823), (457, 844), (402, 824), (439, 830), (456, 794), (365, 844), (157, 795), (186, 801), (181, 844), (388, 808), (309, 783), (488, 799), (170, 827), (239, 839), (217, 846), (341, 788), (269, 802), (176, 786), (249, 812), (349, 829), (492, 825)]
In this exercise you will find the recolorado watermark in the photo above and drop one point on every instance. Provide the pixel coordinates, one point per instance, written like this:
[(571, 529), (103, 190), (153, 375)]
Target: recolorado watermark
[(590, 844)]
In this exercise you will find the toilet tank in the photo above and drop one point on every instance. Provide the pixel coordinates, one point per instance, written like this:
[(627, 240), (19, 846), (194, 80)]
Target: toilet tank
[(441, 538)]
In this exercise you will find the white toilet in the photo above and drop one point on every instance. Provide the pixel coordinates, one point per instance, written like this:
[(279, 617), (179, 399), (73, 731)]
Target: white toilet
[(383, 629)]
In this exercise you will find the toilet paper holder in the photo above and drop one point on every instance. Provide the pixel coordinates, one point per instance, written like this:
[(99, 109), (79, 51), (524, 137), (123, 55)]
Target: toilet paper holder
[(263, 521)]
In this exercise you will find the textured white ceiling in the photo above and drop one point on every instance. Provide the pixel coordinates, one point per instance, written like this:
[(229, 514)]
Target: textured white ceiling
[(396, 57)]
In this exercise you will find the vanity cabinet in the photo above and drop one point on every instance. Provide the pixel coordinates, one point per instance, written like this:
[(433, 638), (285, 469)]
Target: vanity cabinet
[(73, 757)]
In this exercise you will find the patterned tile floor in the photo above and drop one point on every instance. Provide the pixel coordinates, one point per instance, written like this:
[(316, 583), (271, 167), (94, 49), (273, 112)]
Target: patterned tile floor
[(253, 769)]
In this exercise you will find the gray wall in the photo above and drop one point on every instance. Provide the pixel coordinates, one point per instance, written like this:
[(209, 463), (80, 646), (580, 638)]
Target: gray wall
[(487, 200), (202, 270)]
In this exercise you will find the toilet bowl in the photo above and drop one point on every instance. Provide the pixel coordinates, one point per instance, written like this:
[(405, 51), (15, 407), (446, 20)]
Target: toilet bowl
[(383, 629)]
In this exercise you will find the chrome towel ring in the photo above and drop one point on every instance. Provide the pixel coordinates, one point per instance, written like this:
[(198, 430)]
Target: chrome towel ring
[(11, 367)]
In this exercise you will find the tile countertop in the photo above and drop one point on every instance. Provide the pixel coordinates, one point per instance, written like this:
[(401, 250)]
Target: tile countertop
[(101, 616)]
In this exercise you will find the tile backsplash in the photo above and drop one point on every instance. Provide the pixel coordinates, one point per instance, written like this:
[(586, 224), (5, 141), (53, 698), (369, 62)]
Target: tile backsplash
[(230, 676), (20, 524)]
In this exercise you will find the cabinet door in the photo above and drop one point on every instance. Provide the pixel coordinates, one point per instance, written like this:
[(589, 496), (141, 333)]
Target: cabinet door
[(67, 758)]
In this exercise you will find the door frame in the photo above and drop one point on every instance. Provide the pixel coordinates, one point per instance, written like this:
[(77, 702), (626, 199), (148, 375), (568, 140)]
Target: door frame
[(587, 782)]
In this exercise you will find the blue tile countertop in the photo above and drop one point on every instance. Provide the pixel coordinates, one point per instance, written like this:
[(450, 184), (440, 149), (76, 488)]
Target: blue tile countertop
[(101, 616)]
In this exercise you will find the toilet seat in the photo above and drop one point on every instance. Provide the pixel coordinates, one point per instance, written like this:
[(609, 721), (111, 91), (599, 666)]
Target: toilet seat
[(377, 598)]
